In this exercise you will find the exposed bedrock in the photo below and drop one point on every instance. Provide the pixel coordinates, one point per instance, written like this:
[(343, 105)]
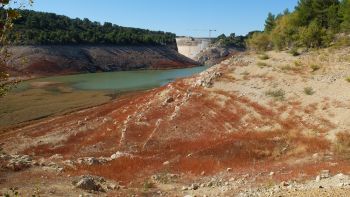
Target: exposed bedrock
[(36, 61)]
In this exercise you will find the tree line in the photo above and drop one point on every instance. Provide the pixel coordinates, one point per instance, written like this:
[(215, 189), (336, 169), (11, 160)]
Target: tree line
[(48, 28), (230, 41), (313, 24)]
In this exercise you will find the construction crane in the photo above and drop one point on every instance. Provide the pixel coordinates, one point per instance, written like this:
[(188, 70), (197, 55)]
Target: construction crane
[(208, 30)]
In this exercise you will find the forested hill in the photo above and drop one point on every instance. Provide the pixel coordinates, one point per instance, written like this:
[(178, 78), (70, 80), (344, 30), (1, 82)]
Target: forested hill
[(48, 28)]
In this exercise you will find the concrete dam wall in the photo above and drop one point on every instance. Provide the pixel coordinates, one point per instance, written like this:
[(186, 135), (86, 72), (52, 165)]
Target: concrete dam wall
[(190, 47)]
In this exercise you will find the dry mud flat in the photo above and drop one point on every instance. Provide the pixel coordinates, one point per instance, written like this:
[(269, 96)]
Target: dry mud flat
[(249, 126)]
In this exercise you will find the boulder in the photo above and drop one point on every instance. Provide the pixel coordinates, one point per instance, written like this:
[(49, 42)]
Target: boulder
[(89, 184)]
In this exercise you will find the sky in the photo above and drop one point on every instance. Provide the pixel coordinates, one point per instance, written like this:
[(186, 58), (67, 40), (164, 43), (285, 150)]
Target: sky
[(183, 17)]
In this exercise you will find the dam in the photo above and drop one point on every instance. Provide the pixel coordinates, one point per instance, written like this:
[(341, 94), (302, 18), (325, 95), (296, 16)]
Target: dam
[(191, 47)]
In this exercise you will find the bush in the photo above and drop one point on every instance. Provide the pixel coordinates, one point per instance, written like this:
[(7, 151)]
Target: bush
[(348, 79), (264, 57), (294, 52), (312, 36), (262, 64), (309, 91), (297, 64), (315, 67), (259, 42), (284, 35), (277, 94)]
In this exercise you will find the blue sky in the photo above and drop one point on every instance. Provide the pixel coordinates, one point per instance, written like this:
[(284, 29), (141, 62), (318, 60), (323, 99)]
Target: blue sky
[(183, 17)]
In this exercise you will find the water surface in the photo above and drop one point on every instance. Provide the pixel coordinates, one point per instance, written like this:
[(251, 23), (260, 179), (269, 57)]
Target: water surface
[(39, 98)]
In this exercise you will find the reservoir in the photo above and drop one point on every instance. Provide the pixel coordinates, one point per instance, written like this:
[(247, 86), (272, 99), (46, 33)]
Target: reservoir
[(43, 97)]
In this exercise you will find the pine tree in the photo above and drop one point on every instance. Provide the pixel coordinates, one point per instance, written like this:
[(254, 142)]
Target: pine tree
[(345, 15), (270, 22), (322, 9), (305, 12)]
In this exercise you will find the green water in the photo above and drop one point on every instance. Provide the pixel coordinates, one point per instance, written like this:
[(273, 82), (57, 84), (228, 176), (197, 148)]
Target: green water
[(40, 98), (119, 81)]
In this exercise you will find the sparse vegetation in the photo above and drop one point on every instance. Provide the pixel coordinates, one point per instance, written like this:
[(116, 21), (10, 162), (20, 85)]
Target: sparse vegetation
[(348, 79), (342, 41), (294, 52), (286, 67), (276, 94), (148, 185), (297, 64), (315, 67), (262, 64), (309, 91), (264, 57), (342, 146), (245, 73)]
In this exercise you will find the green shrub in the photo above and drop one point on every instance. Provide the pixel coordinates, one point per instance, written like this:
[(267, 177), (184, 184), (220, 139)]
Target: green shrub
[(262, 64), (348, 79), (297, 64), (294, 52), (148, 185), (276, 94), (309, 91), (259, 42), (315, 67), (264, 57)]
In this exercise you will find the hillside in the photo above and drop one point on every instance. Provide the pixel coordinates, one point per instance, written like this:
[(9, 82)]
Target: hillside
[(46, 44), (266, 125), (34, 28), (37, 61)]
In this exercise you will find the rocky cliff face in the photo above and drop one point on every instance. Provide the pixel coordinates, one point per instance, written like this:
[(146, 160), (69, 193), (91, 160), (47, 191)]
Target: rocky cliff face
[(35, 61), (215, 54)]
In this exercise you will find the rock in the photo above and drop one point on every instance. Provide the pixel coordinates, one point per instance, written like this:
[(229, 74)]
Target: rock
[(284, 184), (56, 156), (89, 184), (194, 186), (315, 156), (271, 174), (119, 154), (324, 174), (112, 186), (92, 161), (166, 163), (318, 178), (184, 188), (229, 169), (169, 100)]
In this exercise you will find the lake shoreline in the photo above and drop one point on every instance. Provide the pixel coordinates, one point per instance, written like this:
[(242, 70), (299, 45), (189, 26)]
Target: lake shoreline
[(41, 98)]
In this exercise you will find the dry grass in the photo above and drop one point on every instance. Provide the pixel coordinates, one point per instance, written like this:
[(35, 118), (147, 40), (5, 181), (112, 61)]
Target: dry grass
[(315, 67), (276, 94), (342, 146), (264, 57), (298, 64), (262, 64)]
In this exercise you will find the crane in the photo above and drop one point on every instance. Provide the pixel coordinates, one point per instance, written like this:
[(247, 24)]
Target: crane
[(209, 30)]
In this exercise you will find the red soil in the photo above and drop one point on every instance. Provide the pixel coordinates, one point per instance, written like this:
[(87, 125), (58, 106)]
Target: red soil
[(196, 138)]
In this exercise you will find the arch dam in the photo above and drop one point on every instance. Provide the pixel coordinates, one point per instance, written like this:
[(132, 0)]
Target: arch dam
[(191, 47)]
